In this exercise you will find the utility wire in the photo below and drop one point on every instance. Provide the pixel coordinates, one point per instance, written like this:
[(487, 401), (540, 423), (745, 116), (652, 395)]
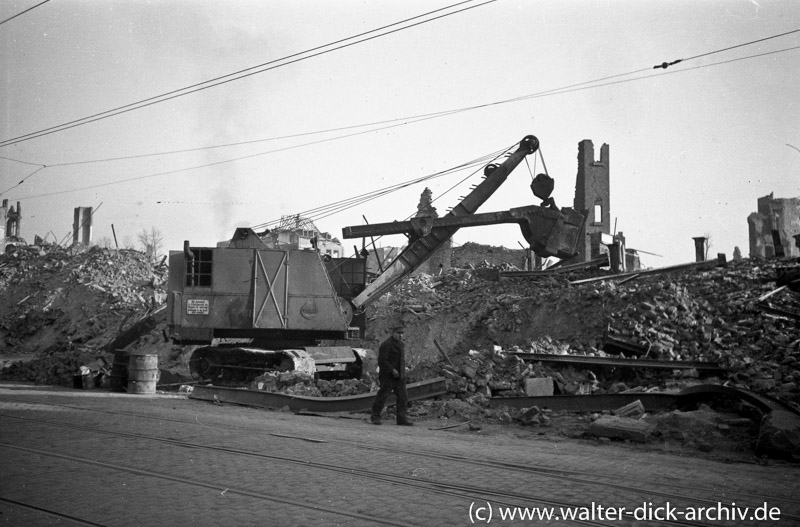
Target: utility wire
[(23, 162), (665, 65), (480, 163), (332, 208), (261, 68), (408, 120), (23, 180), (242, 73), (23, 12), (563, 89), (185, 169)]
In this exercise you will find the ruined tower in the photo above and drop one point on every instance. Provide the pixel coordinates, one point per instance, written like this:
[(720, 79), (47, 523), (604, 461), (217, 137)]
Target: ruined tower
[(82, 226), (593, 196), (773, 227), (11, 220), (439, 261)]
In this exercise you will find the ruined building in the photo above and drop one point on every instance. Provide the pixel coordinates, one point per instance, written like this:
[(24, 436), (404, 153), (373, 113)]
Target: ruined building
[(593, 195), (82, 226), (774, 226), (10, 224), (301, 233), (440, 261)]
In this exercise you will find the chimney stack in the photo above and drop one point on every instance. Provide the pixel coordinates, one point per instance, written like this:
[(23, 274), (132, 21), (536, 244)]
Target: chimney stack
[(700, 248)]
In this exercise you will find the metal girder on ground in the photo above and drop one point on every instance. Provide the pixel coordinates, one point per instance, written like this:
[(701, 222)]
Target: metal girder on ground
[(597, 262), (296, 403), (708, 264), (590, 403), (628, 363), (763, 402), (651, 401)]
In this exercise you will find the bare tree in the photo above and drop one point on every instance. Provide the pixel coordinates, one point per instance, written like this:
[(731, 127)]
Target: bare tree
[(151, 243), (127, 243), (708, 244)]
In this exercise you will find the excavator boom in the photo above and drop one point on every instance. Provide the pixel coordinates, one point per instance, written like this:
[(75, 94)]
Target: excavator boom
[(549, 231)]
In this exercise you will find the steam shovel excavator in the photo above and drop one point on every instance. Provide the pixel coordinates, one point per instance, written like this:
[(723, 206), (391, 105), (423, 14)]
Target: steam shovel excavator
[(256, 309)]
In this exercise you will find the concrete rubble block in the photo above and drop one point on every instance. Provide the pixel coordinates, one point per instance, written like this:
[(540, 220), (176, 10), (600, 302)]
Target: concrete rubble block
[(534, 416), (470, 369), (621, 428), (537, 387), (634, 409), (779, 434), (500, 385)]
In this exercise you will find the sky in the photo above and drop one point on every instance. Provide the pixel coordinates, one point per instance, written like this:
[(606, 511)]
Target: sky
[(692, 146)]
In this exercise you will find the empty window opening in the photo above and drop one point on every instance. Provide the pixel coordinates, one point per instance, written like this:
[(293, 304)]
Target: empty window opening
[(598, 213)]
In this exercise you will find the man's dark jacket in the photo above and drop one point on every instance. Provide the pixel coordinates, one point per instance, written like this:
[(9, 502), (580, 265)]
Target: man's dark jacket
[(391, 356)]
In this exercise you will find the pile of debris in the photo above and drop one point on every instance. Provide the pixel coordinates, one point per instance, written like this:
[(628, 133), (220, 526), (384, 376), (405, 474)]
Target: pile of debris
[(494, 373), (716, 315), (59, 307), (296, 383)]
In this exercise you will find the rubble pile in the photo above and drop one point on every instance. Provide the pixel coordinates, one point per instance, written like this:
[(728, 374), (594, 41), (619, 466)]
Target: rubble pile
[(715, 315), (59, 307), (492, 373), (296, 383)]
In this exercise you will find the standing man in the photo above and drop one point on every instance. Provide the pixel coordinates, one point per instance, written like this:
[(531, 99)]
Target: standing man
[(392, 376)]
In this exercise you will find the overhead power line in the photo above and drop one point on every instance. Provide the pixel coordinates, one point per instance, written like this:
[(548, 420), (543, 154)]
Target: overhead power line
[(405, 120), (254, 70), (21, 181), (397, 122), (348, 203), (554, 91), (665, 65), (196, 167), (22, 12)]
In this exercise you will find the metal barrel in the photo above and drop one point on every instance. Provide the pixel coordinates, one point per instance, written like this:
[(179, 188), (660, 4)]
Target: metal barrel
[(143, 374)]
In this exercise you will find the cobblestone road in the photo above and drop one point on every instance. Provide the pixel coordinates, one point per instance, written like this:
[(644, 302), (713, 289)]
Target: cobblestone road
[(73, 457)]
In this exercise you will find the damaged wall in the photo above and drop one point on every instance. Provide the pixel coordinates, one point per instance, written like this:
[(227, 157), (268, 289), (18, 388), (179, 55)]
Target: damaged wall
[(10, 225), (775, 215), (3, 219), (12, 220), (592, 194), (82, 226)]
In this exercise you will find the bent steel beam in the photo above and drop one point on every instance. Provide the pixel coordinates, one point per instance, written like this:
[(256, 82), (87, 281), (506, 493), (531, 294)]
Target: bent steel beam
[(296, 403), (612, 361)]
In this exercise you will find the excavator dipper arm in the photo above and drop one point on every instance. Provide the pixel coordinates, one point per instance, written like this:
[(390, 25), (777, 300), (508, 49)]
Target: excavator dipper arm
[(421, 248)]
